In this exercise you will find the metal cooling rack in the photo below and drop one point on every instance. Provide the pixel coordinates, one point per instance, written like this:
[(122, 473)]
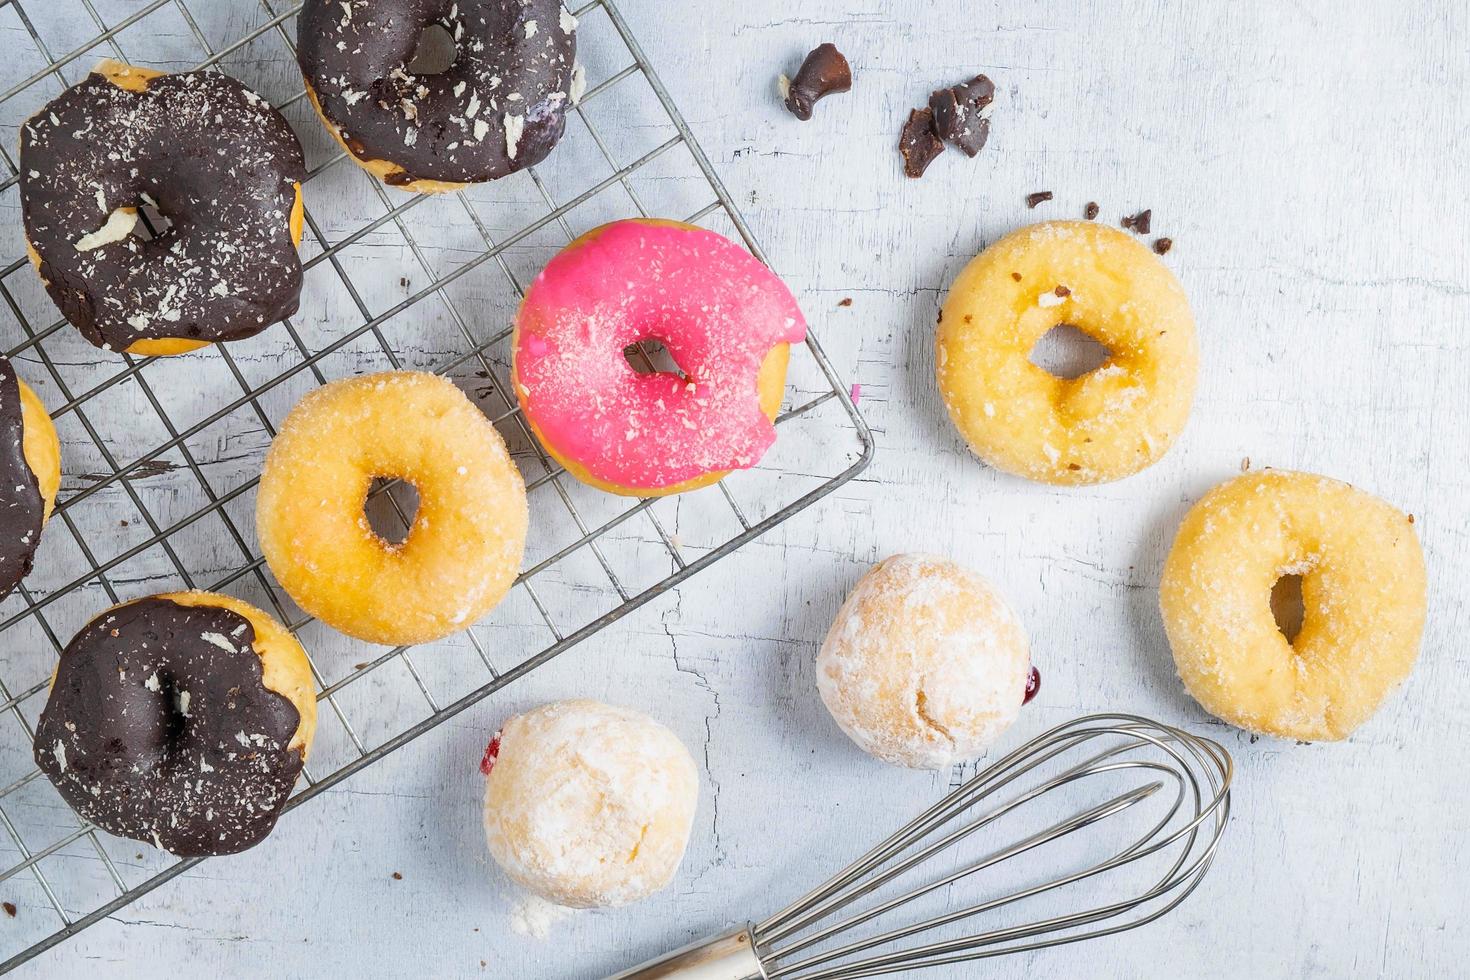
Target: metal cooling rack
[(179, 441)]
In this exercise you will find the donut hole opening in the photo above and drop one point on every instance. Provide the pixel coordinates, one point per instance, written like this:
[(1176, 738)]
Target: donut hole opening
[(1068, 352), (436, 51), (390, 508), (152, 223), (1287, 606), (652, 357)]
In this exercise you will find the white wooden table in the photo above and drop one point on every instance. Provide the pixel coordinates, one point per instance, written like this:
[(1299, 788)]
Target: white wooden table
[(1308, 161)]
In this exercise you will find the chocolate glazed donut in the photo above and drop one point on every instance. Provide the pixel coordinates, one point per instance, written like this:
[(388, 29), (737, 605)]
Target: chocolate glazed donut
[(214, 158), (161, 727), (22, 507), (498, 108)]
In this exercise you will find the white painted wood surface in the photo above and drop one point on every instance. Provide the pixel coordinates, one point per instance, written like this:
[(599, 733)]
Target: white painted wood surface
[(1307, 159)]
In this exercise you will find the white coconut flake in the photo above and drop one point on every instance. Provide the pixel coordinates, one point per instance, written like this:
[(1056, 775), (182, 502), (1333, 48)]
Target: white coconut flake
[(530, 29), (152, 683), (119, 225), (578, 87), (59, 751), (219, 640), (514, 127), (568, 22)]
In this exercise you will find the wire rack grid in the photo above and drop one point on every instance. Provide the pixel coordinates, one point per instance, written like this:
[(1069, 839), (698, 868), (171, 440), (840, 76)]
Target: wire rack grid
[(177, 442)]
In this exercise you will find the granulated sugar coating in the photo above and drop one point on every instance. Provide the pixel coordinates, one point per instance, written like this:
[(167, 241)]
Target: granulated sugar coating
[(1105, 425), (589, 805), (925, 664), (464, 547), (1363, 587)]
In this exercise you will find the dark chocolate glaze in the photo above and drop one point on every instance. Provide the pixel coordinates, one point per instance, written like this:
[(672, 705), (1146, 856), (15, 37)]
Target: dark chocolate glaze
[(21, 506), (214, 158), (500, 107), (159, 727)]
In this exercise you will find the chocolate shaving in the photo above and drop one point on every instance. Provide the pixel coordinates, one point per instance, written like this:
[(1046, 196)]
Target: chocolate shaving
[(1034, 199), (1140, 222), (918, 143), (824, 72), (1091, 210), (1163, 245), (961, 113)]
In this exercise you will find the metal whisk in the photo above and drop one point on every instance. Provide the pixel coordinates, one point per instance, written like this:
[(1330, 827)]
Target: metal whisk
[(1148, 805)]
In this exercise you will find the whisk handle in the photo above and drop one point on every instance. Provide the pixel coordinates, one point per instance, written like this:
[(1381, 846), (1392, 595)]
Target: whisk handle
[(730, 956)]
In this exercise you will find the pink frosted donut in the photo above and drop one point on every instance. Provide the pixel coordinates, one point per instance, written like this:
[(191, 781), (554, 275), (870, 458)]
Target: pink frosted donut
[(724, 318)]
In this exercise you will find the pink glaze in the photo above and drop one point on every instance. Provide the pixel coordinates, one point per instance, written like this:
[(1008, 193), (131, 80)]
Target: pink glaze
[(715, 308)]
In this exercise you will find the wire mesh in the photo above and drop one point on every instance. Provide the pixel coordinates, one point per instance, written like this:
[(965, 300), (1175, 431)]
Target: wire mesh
[(161, 455)]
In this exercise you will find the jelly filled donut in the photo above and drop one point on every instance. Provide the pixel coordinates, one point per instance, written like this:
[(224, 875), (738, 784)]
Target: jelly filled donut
[(724, 318), (925, 665), (588, 805), (499, 107), (463, 549), (1018, 417), (30, 475), (1363, 589), (213, 158), (180, 719)]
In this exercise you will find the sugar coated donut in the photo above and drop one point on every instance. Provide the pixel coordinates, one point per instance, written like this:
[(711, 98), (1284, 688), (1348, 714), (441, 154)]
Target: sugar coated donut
[(724, 318), (463, 549), (1363, 589), (213, 158), (181, 719), (925, 664), (30, 475), (588, 805), (1018, 417), (497, 108)]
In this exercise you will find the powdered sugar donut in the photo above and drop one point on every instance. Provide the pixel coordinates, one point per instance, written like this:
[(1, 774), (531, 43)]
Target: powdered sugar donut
[(587, 804), (925, 664), (725, 319)]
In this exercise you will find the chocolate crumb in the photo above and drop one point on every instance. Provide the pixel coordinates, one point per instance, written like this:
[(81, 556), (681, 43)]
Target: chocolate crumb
[(1411, 518), (961, 113), (941, 316), (1091, 210), (1016, 276), (1062, 291), (1073, 466), (122, 523), (1163, 245), (9, 908), (824, 72), (845, 301), (397, 876), (1034, 199), (1140, 222), (918, 143)]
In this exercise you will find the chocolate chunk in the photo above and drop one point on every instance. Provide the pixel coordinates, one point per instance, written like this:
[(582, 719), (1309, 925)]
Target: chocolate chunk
[(1163, 245), (918, 143), (845, 301), (1140, 222), (824, 72), (1091, 210), (9, 908), (1034, 199), (962, 113)]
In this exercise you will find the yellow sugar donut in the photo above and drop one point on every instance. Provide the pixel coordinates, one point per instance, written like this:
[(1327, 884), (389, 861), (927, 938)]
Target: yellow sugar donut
[(464, 547), (1110, 422), (1363, 589)]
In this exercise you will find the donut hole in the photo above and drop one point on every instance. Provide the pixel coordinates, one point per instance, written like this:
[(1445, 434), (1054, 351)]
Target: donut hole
[(152, 223), (1288, 607), (436, 51), (1068, 352), (651, 356), (390, 509)]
